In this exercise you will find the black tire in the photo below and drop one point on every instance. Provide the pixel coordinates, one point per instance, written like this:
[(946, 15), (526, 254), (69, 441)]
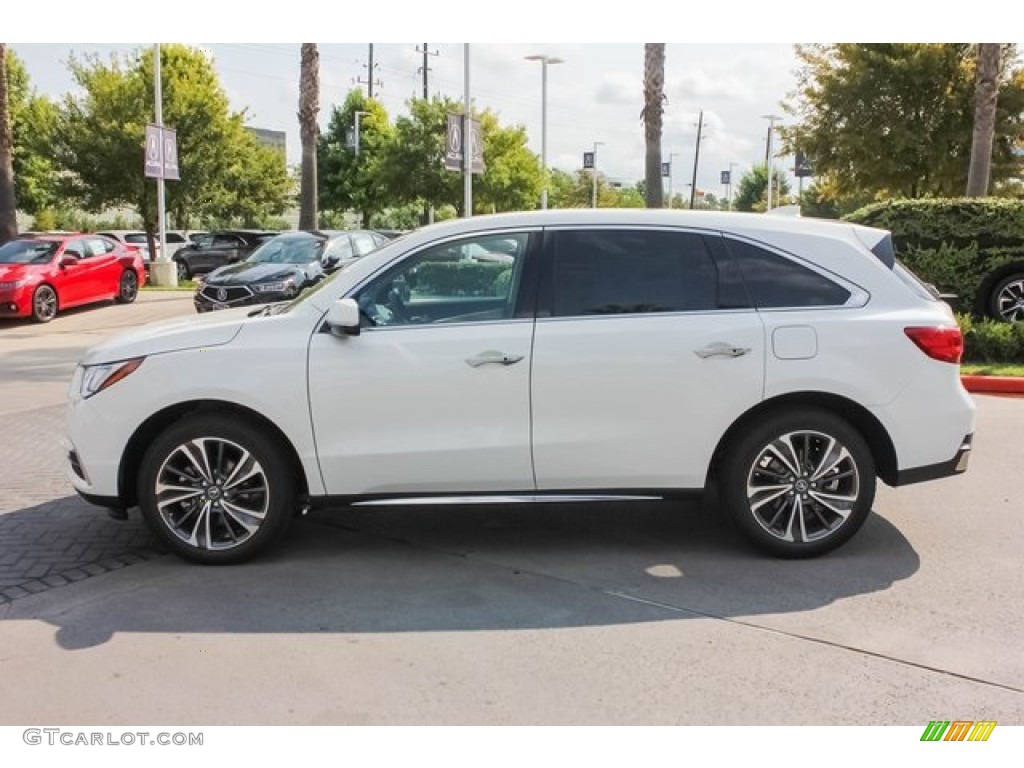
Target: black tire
[(184, 273), (127, 287), (228, 508), (791, 491), (44, 304), (1006, 299)]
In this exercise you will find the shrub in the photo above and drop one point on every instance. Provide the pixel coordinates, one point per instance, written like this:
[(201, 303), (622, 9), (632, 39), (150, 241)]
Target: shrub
[(461, 278), (963, 245), (988, 341)]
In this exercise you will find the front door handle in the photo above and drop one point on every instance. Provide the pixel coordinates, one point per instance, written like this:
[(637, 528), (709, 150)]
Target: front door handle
[(721, 349), (492, 356)]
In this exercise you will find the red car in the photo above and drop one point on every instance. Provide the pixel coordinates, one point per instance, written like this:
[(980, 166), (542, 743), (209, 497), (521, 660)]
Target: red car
[(44, 274)]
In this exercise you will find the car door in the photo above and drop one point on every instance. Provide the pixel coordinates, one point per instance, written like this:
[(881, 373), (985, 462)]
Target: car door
[(104, 268), (646, 349), (434, 395), (72, 280)]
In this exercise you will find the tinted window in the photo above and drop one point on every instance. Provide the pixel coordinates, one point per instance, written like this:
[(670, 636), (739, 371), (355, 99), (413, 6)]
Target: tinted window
[(364, 243), (174, 237), (289, 249), (775, 281), (137, 238), (27, 252), (225, 241), (599, 272)]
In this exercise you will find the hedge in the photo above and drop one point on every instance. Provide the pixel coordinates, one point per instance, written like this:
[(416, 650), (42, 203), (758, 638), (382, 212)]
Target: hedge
[(461, 278), (961, 245)]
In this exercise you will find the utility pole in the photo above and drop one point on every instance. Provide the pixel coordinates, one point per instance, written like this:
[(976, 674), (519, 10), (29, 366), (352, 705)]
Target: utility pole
[(370, 80), (731, 182), (671, 169), (696, 160), (355, 120), (593, 194), (427, 53)]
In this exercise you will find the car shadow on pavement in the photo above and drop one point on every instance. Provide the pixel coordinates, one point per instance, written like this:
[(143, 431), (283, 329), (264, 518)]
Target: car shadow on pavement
[(487, 567)]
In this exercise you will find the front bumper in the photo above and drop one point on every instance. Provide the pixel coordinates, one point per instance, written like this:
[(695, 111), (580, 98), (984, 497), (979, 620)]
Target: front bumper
[(16, 302), (207, 298)]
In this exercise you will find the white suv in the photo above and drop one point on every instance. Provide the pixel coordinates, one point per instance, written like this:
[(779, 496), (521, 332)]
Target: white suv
[(612, 354)]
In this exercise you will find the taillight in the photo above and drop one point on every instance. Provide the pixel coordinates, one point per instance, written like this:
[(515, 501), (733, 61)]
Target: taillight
[(945, 344)]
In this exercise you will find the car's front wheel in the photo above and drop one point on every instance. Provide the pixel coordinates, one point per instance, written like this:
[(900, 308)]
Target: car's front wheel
[(44, 304), (799, 483), (215, 489), (184, 273)]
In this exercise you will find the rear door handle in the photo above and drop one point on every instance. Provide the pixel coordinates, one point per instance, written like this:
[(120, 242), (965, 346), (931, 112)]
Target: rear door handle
[(492, 356), (721, 349)]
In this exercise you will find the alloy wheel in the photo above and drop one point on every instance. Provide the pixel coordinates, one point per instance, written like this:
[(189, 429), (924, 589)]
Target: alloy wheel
[(803, 486), (44, 304), (1010, 300), (212, 493), (129, 287)]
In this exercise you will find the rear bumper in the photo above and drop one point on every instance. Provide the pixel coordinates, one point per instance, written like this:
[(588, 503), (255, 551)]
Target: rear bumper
[(954, 466)]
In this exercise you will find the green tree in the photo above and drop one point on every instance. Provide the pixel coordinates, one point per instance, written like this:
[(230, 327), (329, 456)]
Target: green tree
[(895, 119), (100, 139), (413, 168), (33, 120), (575, 190), (752, 193), (349, 181)]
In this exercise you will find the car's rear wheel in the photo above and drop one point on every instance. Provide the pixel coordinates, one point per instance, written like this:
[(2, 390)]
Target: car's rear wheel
[(216, 490), (44, 304), (184, 273), (127, 287), (1006, 302), (799, 483)]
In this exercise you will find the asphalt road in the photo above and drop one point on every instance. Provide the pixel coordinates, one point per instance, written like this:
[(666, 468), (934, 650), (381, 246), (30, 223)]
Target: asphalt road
[(652, 613)]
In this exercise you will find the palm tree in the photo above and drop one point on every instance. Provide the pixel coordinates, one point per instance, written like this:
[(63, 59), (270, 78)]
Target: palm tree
[(654, 98), (8, 204), (309, 108), (986, 92)]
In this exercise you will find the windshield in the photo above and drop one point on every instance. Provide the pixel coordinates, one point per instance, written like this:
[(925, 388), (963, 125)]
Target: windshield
[(27, 252), (289, 250)]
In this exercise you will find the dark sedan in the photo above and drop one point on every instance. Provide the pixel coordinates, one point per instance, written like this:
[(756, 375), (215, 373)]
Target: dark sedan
[(282, 267), (211, 250)]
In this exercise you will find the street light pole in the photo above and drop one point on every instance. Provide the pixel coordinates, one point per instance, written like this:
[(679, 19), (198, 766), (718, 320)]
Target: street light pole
[(768, 154), (671, 170), (544, 61), (593, 194), (355, 142), (696, 160), (731, 182)]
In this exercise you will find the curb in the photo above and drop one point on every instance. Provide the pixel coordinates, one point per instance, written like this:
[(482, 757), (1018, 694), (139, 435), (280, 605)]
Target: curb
[(998, 385)]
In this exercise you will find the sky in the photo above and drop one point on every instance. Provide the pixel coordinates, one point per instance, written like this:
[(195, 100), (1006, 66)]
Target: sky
[(594, 96)]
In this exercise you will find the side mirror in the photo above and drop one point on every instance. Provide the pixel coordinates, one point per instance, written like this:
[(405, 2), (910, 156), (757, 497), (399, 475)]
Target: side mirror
[(343, 318), (69, 259)]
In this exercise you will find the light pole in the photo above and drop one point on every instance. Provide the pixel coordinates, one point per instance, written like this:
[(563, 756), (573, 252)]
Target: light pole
[(593, 194), (731, 182), (544, 61), (355, 142), (768, 154), (671, 170)]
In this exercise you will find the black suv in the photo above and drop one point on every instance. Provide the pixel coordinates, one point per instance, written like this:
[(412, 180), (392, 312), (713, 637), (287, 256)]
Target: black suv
[(282, 267), (209, 251)]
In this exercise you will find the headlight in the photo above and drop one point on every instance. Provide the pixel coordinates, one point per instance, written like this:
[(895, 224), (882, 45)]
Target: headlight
[(96, 378), (279, 287), (11, 284)]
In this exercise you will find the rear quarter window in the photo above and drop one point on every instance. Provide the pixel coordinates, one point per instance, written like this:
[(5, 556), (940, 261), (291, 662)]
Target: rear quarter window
[(776, 282)]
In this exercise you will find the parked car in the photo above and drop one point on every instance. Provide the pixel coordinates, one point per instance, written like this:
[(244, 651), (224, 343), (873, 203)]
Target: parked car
[(210, 250), (282, 267), (136, 240), (621, 355), (40, 276)]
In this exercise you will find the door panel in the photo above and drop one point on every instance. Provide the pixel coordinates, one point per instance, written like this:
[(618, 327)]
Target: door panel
[(401, 410), (649, 353)]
